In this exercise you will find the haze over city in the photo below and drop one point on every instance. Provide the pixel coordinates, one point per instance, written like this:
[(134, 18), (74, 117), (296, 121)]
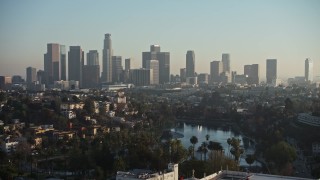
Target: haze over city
[(250, 31)]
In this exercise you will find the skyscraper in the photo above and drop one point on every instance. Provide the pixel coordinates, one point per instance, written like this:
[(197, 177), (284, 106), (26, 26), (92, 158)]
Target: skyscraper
[(127, 64), (63, 63), (271, 71), (164, 62), (140, 77), (31, 75), (226, 62), (51, 63), (91, 71), (252, 73), (203, 78), (116, 68), (183, 74), (154, 48), (255, 73), (106, 75), (93, 58), (153, 65), (75, 64), (190, 63), (91, 76), (308, 69), (215, 71)]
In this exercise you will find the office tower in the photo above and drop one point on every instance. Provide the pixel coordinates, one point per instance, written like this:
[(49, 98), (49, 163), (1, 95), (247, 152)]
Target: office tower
[(225, 77), (140, 77), (91, 76), (117, 68), (153, 65), (215, 71), (255, 73), (31, 75), (164, 62), (5, 82), (154, 48), (190, 64), (203, 78), (308, 70), (106, 75), (252, 73), (233, 76), (75, 64), (41, 75), (226, 62), (93, 58), (91, 71), (127, 64), (63, 63), (271, 71), (51, 63), (183, 74), (17, 79)]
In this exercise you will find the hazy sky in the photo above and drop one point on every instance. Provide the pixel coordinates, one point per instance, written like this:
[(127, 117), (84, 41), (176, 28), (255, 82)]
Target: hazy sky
[(250, 30)]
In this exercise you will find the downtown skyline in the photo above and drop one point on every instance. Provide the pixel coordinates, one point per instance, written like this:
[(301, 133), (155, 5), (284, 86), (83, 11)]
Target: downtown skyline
[(250, 32)]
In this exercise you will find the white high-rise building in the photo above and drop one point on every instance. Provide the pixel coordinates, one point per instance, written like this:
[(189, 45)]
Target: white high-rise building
[(154, 66), (308, 71)]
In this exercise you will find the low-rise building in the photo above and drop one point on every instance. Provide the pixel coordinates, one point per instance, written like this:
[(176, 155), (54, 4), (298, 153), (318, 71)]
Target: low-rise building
[(315, 148), (170, 174), (307, 118), (9, 145)]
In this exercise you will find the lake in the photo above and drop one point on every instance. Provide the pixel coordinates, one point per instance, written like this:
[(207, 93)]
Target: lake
[(216, 133)]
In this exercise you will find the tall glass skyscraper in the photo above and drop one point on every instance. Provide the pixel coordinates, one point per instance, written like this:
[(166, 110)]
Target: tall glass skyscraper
[(116, 68), (164, 62), (54, 63), (51, 63), (93, 58), (75, 64), (153, 65), (63, 63), (308, 69), (106, 75), (226, 62), (215, 71), (271, 71), (190, 63)]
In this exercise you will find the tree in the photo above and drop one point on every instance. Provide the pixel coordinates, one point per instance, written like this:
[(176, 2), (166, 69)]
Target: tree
[(204, 149), (207, 137), (214, 146), (236, 150), (194, 141), (250, 159), (288, 105), (89, 106), (119, 165), (281, 153)]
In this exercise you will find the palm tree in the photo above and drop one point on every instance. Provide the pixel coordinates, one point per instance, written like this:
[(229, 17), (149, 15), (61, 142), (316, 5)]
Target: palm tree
[(200, 150), (214, 146), (207, 137), (236, 150), (250, 159), (204, 146), (229, 143), (194, 141)]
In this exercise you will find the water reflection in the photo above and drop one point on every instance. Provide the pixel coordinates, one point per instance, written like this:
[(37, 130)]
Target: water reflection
[(217, 133)]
